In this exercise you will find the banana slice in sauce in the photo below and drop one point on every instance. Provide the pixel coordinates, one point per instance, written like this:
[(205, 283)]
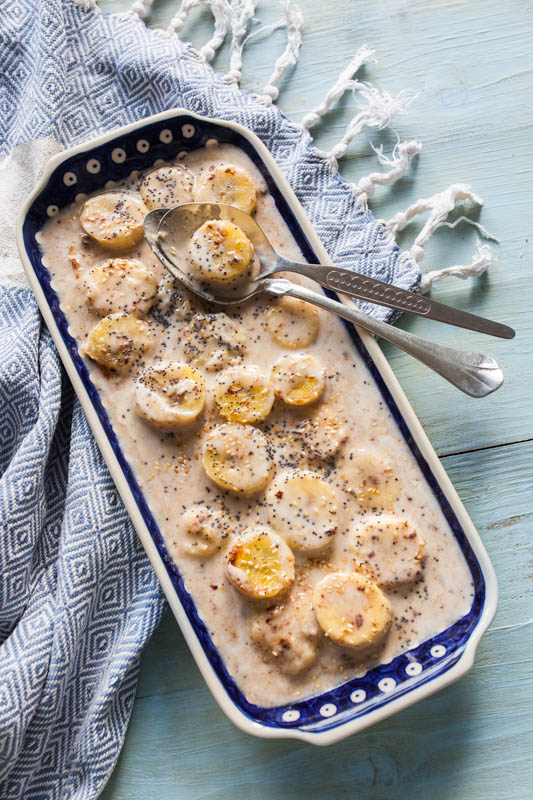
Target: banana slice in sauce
[(120, 342), (229, 185), (167, 187), (352, 610), (390, 550), (114, 219), (293, 323), (120, 285), (303, 508), (243, 394), (298, 379), (236, 458), (170, 395), (260, 564)]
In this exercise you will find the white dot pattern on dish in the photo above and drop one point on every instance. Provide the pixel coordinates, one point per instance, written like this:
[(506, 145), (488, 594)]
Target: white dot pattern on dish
[(327, 710), (69, 179), (291, 715), (165, 136), (358, 696), (386, 684), (80, 197), (118, 155), (188, 131), (93, 166), (211, 143), (52, 211), (414, 668), (143, 146), (438, 650), (160, 162)]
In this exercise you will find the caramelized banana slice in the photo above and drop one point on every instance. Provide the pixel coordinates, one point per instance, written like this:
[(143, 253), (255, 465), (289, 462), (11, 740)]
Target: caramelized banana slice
[(390, 550), (368, 475), (220, 252), (229, 185), (203, 531), (298, 379), (114, 219), (260, 563), (170, 395), (121, 284), (352, 610), (303, 508), (236, 458), (167, 187), (243, 394), (120, 342), (293, 323), (288, 633)]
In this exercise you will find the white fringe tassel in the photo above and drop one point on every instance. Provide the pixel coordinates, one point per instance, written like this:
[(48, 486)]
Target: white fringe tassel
[(344, 82), (398, 164), (242, 12), (439, 206), (221, 12), (293, 21), (140, 9), (377, 114), (483, 258)]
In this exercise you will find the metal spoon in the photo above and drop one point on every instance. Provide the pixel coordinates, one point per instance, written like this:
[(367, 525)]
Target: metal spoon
[(179, 224), (473, 373)]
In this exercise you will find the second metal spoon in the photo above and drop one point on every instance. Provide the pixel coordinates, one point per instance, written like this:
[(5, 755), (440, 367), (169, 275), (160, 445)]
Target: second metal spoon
[(473, 373)]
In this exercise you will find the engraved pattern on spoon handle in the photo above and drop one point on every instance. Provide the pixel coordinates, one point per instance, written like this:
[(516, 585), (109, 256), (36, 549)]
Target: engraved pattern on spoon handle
[(473, 373), (374, 291)]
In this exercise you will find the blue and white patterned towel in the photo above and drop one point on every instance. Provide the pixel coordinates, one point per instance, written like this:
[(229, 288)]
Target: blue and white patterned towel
[(78, 598)]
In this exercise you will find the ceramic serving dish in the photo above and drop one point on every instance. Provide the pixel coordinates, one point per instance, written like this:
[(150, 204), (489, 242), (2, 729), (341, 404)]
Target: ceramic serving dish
[(384, 690)]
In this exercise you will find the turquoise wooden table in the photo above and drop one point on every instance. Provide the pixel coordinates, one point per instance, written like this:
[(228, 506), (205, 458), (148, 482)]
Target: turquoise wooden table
[(471, 63)]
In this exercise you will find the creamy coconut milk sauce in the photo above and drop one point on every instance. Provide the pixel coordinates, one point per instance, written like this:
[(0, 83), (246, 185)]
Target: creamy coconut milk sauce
[(385, 527)]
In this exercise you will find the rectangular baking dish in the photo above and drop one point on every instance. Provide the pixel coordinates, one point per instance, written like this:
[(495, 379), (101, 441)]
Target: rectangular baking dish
[(353, 705)]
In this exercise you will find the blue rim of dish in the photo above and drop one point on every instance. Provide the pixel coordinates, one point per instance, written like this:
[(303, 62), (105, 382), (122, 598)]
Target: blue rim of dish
[(89, 171)]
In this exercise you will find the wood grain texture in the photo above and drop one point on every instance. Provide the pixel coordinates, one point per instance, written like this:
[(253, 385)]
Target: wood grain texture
[(471, 65)]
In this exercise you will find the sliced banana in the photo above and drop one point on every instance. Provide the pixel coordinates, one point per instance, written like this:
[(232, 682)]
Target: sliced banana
[(293, 323), (120, 342), (390, 550), (224, 183), (319, 437), (369, 476), (243, 394), (213, 341), (220, 252), (298, 379), (167, 187), (202, 531), (260, 563), (121, 284), (303, 508), (288, 633), (236, 458), (170, 395), (114, 219), (352, 610)]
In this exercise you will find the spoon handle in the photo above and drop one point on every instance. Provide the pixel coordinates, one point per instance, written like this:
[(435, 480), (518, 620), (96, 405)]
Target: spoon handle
[(383, 294), (474, 374)]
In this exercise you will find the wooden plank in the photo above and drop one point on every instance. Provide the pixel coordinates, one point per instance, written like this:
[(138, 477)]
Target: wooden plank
[(472, 740)]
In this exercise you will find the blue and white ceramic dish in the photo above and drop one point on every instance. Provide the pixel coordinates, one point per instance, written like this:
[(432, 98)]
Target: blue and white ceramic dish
[(355, 704)]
